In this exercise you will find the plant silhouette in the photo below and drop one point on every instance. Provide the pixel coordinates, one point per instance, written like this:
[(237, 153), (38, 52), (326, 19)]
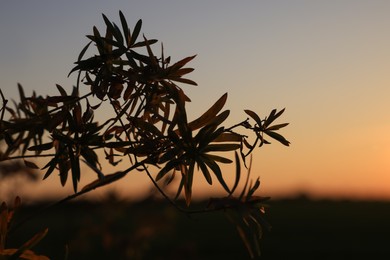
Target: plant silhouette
[(149, 128)]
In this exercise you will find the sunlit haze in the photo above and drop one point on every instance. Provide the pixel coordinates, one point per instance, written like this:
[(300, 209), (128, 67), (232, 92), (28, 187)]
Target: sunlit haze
[(326, 62)]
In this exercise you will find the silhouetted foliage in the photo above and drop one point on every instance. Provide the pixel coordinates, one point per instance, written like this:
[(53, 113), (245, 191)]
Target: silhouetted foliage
[(149, 127)]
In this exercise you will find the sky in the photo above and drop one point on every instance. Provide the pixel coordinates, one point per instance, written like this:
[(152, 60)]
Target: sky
[(326, 62)]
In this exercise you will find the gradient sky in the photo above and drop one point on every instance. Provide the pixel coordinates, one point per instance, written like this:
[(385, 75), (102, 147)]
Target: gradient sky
[(326, 62)]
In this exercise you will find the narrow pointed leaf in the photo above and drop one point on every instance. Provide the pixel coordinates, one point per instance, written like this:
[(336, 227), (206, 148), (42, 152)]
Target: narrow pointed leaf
[(125, 28), (136, 32), (217, 172), (205, 171), (254, 116), (30, 164), (278, 137), (210, 114), (276, 127), (238, 173), (189, 176)]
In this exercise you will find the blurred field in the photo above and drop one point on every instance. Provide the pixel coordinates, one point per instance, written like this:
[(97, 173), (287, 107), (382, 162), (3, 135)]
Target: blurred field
[(302, 229)]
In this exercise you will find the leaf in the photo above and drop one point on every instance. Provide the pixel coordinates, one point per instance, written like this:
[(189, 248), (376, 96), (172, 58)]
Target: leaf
[(272, 117), (217, 158), (209, 114), (150, 53), (105, 180), (181, 72), (277, 127), (144, 43), (136, 32), (61, 90), (254, 116), (51, 165), (125, 28), (75, 166), (228, 137), (30, 164), (205, 171), (278, 137), (238, 173), (221, 147), (63, 168), (182, 80), (168, 167), (83, 51), (21, 93), (217, 172), (41, 147), (175, 67), (247, 179), (189, 176), (253, 189)]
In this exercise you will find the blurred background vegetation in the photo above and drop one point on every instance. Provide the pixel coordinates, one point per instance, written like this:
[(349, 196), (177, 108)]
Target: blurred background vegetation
[(152, 229)]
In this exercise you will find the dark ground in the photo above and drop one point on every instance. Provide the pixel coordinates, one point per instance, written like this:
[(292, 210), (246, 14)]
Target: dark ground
[(302, 229)]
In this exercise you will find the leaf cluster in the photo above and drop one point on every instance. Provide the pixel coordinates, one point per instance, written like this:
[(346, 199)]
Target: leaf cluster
[(148, 124)]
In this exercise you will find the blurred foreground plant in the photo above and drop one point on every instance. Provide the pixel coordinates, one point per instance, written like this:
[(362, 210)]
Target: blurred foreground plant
[(24, 252), (148, 128)]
